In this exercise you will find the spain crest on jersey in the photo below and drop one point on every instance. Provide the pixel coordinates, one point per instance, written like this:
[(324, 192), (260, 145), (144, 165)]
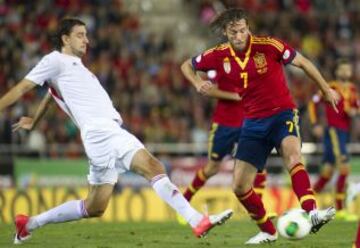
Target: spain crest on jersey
[(227, 65), (260, 63)]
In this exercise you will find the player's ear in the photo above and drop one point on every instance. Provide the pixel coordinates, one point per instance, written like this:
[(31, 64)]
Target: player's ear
[(65, 39)]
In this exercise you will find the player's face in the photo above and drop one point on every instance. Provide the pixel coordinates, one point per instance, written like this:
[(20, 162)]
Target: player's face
[(78, 40), (237, 33), (344, 72)]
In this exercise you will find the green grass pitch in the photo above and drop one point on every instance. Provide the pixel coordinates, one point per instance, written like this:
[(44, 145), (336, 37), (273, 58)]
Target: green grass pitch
[(170, 235)]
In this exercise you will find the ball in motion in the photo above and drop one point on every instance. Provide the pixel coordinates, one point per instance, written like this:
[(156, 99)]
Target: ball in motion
[(294, 224)]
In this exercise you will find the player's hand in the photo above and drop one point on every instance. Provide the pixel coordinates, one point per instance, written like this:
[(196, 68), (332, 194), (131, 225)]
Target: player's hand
[(204, 87), (24, 123), (332, 97), (237, 97)]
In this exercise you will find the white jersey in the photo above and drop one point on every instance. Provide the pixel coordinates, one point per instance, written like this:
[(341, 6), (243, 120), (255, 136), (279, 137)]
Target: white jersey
[(76, 90)]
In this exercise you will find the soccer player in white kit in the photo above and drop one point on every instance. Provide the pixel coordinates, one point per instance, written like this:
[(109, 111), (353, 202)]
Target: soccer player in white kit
[(109, 147)]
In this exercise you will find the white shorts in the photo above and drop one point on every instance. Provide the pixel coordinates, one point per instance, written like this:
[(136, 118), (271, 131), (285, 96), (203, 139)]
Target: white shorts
[(110, 150)]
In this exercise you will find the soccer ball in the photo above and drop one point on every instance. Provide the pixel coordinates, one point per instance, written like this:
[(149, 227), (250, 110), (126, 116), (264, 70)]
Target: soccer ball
[(294, 224)]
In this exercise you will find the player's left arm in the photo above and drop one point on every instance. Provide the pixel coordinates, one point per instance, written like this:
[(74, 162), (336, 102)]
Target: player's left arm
[(329, 95), (223, 94), (29, 123)]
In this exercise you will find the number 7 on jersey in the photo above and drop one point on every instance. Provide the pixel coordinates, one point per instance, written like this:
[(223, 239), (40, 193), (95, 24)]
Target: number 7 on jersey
[(244, 75)]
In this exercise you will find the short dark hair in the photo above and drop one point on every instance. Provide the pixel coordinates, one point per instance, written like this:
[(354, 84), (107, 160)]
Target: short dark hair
[(226, 17), (64, 28)]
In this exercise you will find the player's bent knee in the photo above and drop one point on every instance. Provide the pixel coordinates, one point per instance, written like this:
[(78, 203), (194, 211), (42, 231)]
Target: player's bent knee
[(156, 166), (294, 159), (153, 168), (240, 189), (147, 165), (96, 212), (211, 169)]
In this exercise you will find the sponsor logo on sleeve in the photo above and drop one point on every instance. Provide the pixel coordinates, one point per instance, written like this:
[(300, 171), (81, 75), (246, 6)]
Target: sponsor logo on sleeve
[(286, 54), (198, 59)]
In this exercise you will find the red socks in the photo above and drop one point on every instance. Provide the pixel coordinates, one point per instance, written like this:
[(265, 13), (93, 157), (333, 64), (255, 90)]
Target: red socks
[(340, 187), (302, 188), (321, 182), (253, 204), (259, 183), (199, 181)]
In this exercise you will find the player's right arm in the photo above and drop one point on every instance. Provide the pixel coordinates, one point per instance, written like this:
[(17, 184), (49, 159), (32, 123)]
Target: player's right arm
[(15, 93), (201, 86), (29, 123), (224, 95), (47, 69), (329, 95), (203, 63)]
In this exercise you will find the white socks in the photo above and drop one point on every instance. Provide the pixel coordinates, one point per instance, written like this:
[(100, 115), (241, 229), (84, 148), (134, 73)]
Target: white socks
[(69, 211), (75, 210), (172, 196)]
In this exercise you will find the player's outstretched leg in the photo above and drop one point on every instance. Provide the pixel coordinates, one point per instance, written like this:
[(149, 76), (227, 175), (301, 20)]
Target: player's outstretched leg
[(201, 224), (93, 206), (21, 233), (321, 217), (301, 186), (208, 222), (147, 165), (69, 211)]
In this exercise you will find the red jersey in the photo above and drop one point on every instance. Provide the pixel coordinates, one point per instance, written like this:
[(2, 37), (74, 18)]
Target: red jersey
[(226, 112), (256, 73), (349, 100)]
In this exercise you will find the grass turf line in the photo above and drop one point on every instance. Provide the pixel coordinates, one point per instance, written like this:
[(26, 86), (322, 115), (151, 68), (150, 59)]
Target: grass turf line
[(170, 234)]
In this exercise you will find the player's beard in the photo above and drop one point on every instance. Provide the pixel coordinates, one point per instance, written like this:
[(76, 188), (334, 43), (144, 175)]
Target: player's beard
[(239, 46), (79, 52)]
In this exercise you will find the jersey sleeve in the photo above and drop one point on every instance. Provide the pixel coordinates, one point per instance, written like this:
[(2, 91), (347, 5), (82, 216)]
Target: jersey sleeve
[(47, 69), (205, 61), (283, 51)]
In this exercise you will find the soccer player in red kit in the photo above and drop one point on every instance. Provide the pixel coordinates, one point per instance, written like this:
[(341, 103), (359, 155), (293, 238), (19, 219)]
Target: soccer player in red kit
[(270, 116), (336, 134), (227, 120)]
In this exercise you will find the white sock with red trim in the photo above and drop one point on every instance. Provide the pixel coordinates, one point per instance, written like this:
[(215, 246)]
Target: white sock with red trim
[(68, 211), (167, 191)]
